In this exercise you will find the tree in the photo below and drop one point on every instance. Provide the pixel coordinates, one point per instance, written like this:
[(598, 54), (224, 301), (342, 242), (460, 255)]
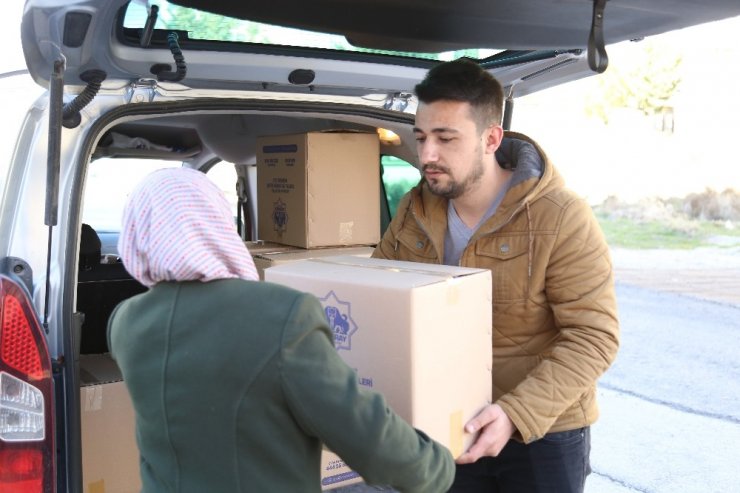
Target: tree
[(645, 81), (210, 26)]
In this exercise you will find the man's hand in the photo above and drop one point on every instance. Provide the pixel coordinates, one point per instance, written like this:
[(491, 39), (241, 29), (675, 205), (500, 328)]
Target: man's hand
[(496, 429)]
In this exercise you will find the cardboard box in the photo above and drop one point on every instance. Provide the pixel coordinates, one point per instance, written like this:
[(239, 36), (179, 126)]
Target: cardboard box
[(110, 456), (319, 189), (428, 351), (268, 259), (335, 472), (259, 246)]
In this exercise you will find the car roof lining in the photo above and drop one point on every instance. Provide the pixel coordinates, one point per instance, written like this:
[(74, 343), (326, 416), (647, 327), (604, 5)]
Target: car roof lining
[(199, 138), (433, 25)]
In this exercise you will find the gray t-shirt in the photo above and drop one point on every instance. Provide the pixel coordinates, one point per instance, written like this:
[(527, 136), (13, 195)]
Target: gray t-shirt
[(458, 233)]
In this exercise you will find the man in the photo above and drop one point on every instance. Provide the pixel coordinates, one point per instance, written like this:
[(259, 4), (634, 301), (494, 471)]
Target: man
[(493, 200)]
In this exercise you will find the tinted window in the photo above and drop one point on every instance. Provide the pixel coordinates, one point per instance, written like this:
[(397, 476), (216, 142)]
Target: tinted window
[(398, 178)]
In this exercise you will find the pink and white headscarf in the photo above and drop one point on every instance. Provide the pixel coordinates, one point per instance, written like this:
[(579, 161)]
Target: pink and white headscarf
[(178, 226)]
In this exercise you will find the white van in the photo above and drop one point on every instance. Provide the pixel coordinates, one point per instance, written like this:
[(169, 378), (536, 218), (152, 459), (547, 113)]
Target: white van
[(137, 85)]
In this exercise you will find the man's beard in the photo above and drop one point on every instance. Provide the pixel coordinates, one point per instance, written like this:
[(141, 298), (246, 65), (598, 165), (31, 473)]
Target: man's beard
[(453, 188)]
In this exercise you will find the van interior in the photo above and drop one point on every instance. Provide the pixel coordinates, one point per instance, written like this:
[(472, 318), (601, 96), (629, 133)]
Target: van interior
[(202, 140)]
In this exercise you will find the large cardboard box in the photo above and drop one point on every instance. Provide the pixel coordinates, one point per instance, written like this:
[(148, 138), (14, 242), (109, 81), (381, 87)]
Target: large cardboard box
[(428, 350), (319, 189), (110, 456), (335, 472), (267, 259)]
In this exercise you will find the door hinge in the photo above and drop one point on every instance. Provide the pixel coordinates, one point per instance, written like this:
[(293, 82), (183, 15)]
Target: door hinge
[(141, 91), (398, 101)]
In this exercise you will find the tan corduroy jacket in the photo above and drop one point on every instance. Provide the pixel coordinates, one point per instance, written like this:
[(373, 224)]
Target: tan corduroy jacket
[(555, 326)]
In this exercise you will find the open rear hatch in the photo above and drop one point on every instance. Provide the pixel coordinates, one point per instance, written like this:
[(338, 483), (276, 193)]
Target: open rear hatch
[(379, 47)]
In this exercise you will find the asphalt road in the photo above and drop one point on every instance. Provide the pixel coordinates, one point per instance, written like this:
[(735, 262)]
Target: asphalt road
[(670, 404)]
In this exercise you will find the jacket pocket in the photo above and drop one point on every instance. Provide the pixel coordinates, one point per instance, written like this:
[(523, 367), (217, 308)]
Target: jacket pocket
[(415, 246), (565, 438), (508, 259)]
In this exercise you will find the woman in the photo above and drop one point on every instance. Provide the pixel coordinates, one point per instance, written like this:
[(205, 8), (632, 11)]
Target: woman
[(235, 382)]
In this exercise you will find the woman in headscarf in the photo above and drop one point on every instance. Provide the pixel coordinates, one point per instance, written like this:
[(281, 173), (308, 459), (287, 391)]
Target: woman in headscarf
[(235, 383)]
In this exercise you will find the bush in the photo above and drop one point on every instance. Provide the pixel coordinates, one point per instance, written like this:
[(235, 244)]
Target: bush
[(707, 206), (713, 206), (699, 219)]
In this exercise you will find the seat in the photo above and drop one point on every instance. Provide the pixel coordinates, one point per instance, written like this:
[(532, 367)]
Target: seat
[(100, 287)]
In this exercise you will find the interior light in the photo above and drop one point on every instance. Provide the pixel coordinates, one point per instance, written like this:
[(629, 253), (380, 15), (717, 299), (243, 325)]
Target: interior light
[(389, 137)]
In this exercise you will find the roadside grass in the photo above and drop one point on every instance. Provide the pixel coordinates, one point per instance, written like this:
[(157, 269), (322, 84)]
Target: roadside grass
[(697, 220), (677, 234)]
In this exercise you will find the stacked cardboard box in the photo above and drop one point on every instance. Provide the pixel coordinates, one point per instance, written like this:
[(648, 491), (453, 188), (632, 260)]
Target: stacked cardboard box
[(257, 247), (319, 189), (110, 456), (269, 259)]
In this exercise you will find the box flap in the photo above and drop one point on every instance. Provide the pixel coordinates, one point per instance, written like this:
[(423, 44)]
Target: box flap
[(256, 247), (302, 254), (98, 368), (376, 271)]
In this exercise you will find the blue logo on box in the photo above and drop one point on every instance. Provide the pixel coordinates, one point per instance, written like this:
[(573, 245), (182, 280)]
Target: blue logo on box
[(280, 216), (338, 314), (338, 478)]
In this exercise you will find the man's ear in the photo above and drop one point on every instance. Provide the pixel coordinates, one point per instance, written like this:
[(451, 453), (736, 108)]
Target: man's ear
[(493, 136)]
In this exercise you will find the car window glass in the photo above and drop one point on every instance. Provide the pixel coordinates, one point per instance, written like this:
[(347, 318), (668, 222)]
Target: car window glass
[(399, 177), (109, 181), (223, 174), (207, 26)]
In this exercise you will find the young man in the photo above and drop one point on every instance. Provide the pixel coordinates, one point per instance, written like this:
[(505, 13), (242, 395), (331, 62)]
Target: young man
[(493, 200)]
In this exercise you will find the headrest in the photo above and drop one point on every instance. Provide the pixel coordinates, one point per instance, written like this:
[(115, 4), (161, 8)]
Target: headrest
[(89, 248)]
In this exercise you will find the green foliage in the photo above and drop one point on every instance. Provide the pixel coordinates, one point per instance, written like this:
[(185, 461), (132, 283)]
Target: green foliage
[(698, 219), (473, 53), (394, 191), (210, 26), (207, 26), (398, 178), (646, 83), (345, 46)]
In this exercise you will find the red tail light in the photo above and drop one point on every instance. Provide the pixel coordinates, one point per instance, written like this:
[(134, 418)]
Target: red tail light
[(26, 418)]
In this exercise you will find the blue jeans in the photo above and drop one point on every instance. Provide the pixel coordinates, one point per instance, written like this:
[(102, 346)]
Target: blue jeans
[(557, 463)]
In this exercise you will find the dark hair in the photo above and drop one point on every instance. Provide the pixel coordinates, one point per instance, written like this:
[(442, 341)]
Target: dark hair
[(464, 80)]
